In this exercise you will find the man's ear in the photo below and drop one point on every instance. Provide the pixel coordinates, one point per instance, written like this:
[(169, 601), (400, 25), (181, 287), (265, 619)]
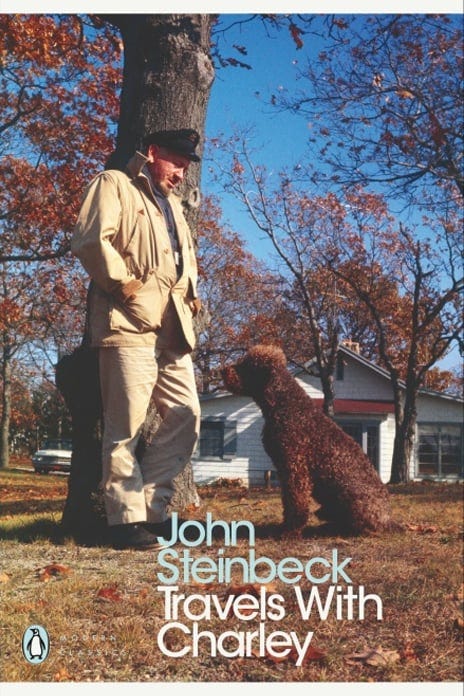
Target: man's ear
[(152, 152)]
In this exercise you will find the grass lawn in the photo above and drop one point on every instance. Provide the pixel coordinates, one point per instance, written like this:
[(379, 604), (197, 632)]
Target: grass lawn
[(104, 614)]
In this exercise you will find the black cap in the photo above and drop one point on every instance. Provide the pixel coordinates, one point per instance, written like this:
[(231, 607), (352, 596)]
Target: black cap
[(182, 142)]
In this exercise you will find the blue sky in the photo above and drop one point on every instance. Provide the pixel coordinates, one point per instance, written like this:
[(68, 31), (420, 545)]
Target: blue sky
[(240, 99), (240, 96)]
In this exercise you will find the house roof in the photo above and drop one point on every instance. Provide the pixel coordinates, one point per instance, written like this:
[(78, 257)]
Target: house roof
[(385, 374), (356, 356)]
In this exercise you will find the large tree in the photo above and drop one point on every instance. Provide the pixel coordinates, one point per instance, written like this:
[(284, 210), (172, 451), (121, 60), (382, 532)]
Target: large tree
[(58, 99), (420, 320), (59, 87), (167, 75), (384, 106), (240, 294), (340, 252)]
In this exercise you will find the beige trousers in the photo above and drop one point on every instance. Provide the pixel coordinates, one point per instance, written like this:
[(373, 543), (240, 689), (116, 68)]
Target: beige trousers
[(138, 491)]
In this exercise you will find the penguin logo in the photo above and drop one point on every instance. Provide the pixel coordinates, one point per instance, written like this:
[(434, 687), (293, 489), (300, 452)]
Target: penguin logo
[(36, 644)]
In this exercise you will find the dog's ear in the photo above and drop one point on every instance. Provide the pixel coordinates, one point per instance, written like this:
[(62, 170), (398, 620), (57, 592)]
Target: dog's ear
[(268, 355)]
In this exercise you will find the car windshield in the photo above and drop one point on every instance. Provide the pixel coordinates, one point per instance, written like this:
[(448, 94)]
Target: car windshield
[(58, 444)]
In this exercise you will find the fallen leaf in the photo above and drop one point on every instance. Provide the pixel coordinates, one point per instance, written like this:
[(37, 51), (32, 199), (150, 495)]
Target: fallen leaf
[(62, 675), (422, 528), (237, 590), (270, 586), (458, 595), (29, 606), (250, 588), (54, 570), (109, 594), (253, 589), (407, 653), (376, 657), (4, 577), (209, 587), (312, 654)]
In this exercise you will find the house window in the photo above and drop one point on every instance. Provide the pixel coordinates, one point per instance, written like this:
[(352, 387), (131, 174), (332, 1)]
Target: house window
[(218, 438), (366, 435), (440, 450)]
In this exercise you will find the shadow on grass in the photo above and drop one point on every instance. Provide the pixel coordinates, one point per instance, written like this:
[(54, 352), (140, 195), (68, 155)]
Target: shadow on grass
[(32, 507), (44, 529), (47, 530), (451, 492)]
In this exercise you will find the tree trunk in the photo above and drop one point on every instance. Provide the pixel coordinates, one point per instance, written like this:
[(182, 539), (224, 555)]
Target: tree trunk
[(327, 383), (168, 73), (402, 450), (185, 492), (77, 379), (6, 409), (167, 78), (405, 425)]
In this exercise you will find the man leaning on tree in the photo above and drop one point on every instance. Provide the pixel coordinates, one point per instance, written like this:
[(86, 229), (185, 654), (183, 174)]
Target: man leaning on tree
[(133, 240)]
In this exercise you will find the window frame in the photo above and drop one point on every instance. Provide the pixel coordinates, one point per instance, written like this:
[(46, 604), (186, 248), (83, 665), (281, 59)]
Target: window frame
[(227, 449), (437, 432), (364, 424)]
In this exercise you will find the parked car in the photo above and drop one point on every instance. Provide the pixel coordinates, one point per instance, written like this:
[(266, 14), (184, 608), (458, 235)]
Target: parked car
[(55, 455)]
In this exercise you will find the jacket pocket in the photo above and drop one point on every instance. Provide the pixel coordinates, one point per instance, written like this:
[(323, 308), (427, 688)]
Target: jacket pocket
[(143, 312)]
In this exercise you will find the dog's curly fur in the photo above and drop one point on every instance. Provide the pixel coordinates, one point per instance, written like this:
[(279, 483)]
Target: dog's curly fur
[(313, 456)]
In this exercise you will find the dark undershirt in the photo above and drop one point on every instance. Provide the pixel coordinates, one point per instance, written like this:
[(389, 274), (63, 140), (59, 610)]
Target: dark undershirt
[(166, 209)]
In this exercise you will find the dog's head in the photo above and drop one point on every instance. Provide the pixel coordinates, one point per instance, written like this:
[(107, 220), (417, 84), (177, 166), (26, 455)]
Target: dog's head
[(250, 375)]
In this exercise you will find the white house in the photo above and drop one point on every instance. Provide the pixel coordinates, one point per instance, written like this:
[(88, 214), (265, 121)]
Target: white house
[(230, 440)]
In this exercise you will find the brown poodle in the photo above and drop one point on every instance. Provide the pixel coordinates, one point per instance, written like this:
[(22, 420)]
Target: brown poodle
[(313, 456)]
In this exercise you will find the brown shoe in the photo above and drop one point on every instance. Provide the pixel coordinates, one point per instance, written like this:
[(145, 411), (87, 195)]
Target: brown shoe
[(160, 529), (133, 536)]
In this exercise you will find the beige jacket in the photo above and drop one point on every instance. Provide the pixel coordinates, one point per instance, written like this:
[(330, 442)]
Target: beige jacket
[(120, 236)]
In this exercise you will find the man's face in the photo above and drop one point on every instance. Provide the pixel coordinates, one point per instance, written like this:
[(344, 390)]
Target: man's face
[(167, 168)]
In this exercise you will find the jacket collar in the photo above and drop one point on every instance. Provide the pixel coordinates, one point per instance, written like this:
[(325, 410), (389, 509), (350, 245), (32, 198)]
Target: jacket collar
[(136, 164), (135, 169)]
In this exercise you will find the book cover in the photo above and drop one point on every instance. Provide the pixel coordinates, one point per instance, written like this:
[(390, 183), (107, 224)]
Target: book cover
[(232, 602)]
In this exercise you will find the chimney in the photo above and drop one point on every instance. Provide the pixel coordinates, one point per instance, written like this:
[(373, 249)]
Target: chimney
[(352, 345)]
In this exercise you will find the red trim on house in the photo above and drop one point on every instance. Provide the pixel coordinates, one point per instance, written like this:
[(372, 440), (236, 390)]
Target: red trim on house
[(351, 406)]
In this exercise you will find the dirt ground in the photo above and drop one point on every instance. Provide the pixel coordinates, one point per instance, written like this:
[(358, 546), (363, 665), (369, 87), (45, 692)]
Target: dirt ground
[(106, 612)]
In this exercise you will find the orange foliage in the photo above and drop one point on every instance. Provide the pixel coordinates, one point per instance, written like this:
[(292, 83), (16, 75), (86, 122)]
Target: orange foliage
[(58, 101), (238, 292)]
